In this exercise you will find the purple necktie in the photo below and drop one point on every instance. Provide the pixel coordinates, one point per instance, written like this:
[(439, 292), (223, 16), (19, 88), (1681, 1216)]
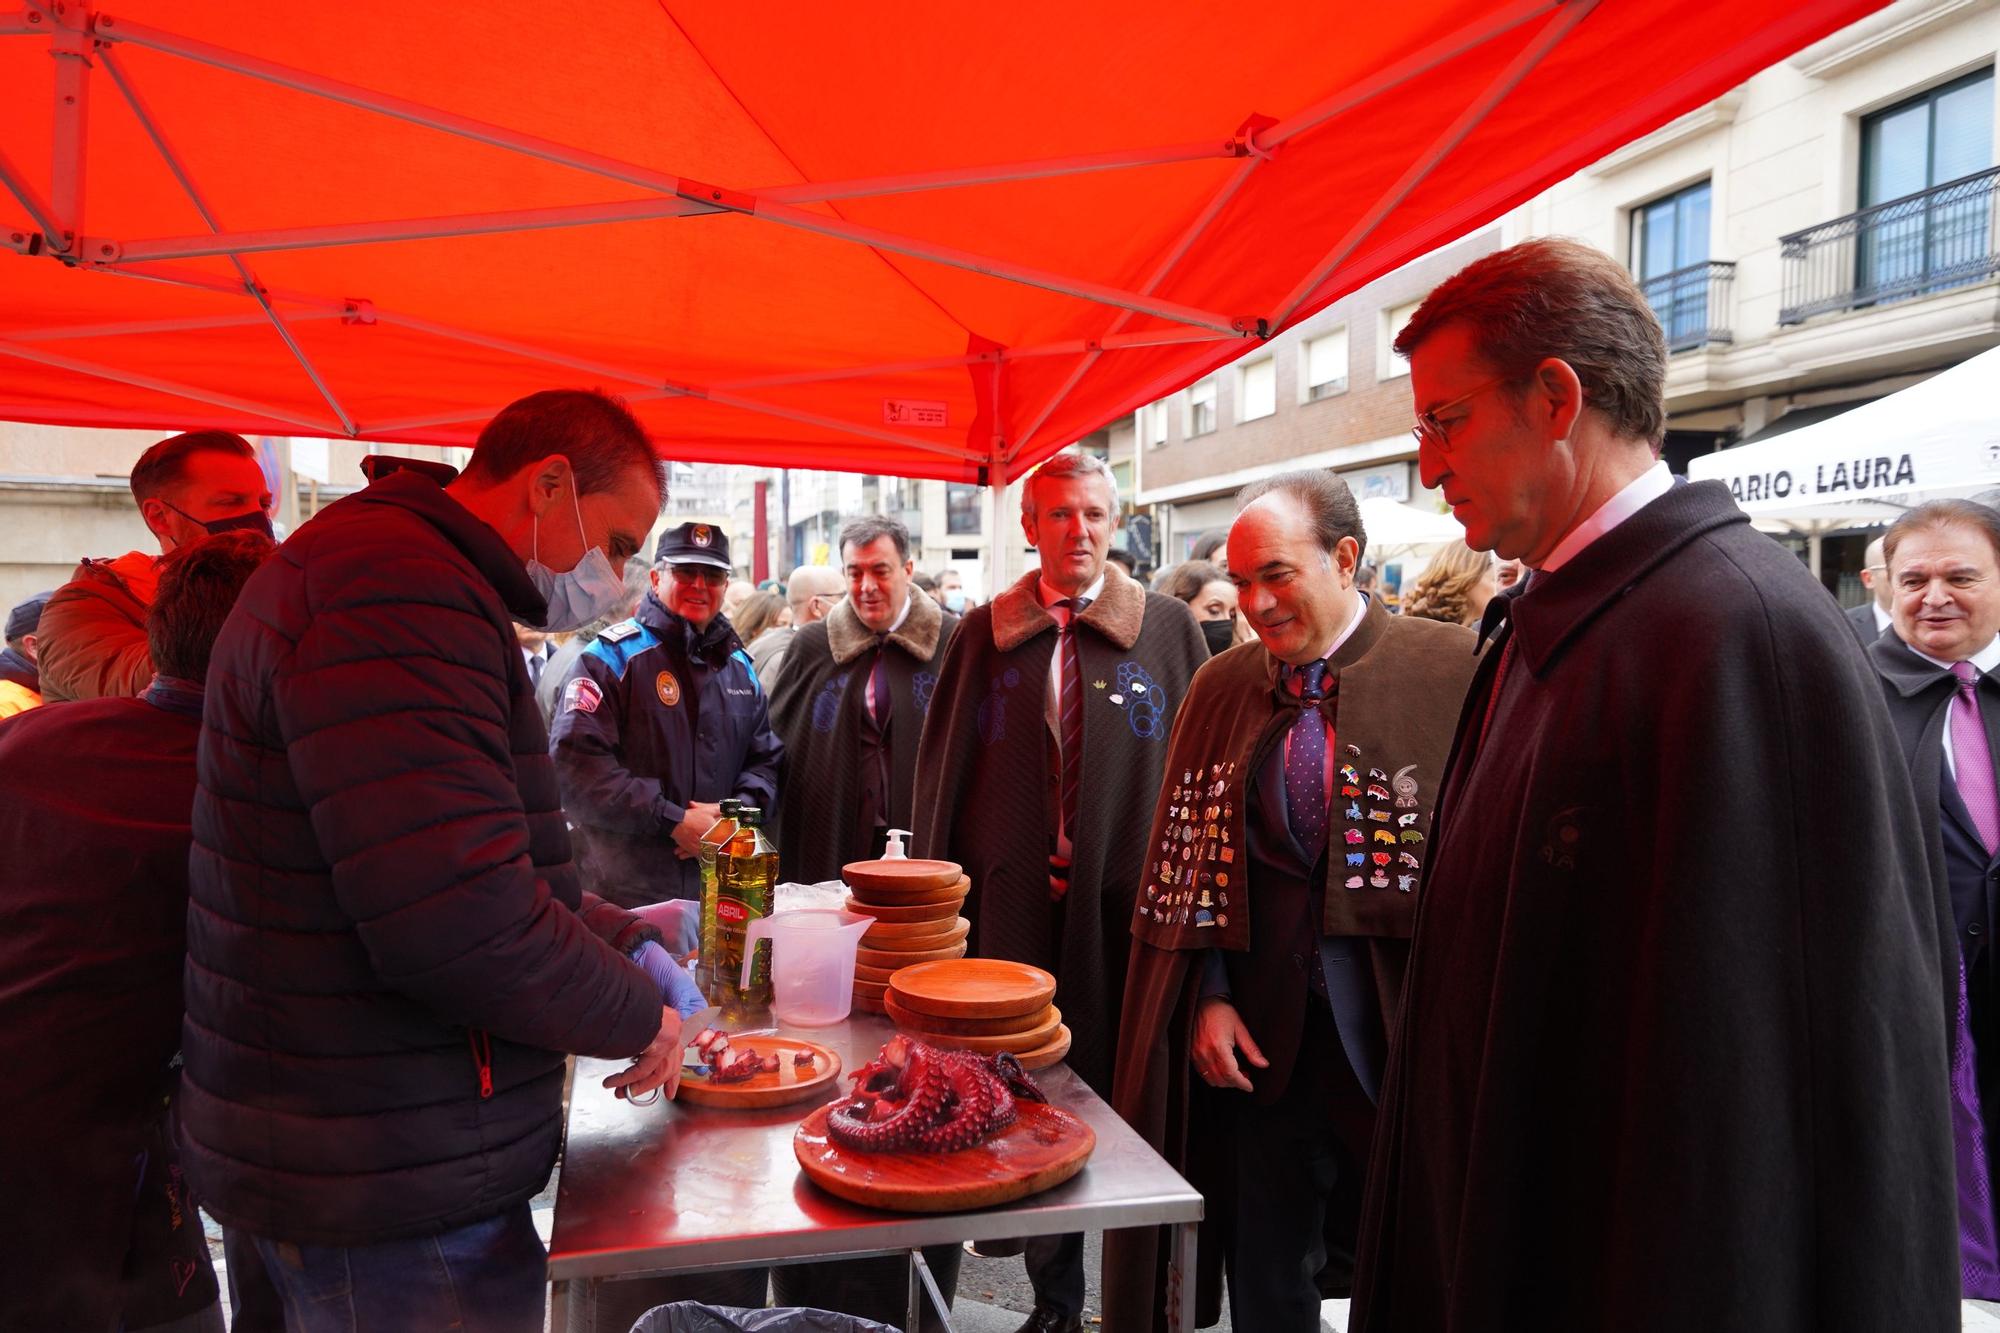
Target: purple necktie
[(1978, 1252), (1972, 760), (1305, 761), (878, 684)]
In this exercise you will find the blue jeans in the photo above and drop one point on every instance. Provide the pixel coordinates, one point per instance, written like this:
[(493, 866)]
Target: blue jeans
[(485, 1278)]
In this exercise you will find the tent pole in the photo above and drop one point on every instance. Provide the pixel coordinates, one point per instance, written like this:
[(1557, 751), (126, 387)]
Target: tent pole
[(1423, 62), (149, 123), (38, 208), (1174, 255), (1517, 69), (143, 326), (71, 45), (264, 411), (1814, 551)]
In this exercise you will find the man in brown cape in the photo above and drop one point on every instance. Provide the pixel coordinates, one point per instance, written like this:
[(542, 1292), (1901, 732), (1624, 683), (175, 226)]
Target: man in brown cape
[(1276, 906), (850, 706), (1044, 748), (1673, 1047)]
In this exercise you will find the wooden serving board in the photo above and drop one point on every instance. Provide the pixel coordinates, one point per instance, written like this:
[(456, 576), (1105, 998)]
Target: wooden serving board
[(1020, 1043), (975, 988), (1042, 1148), (922, 934), (866, 1005), (896, 959), (1010, 1025), (909, 874), (1047, 1055), (910, 897), (789, 1084), (943, 910)]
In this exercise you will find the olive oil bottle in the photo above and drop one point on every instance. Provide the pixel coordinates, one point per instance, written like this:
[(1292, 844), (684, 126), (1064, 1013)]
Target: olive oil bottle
[(717, 983), (746, 885)]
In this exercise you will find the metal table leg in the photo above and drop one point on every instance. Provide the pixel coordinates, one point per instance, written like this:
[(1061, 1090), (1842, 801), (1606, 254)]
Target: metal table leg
[(922, 1284), (1182, 1279), (573, 1306)]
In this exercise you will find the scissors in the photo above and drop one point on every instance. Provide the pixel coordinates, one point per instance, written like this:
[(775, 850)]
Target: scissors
[(691, 1027)]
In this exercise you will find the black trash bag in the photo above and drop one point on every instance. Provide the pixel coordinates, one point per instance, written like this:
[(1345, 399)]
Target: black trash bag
[(694, 1317)]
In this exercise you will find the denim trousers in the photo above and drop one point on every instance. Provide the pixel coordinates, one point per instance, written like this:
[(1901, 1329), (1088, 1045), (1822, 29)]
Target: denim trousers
[(489, 1277)]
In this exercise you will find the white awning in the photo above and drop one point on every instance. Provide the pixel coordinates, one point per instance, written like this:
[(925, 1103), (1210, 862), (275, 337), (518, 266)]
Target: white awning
[(1393, 526), (1934, 440)]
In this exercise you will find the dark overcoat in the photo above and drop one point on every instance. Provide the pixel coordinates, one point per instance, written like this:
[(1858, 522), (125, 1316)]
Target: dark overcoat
[(819, 710), (1673, 1043), (988, 790)]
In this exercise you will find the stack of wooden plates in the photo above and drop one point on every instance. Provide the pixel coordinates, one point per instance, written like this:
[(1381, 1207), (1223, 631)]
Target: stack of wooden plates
[(916, 905), (981, 1004)]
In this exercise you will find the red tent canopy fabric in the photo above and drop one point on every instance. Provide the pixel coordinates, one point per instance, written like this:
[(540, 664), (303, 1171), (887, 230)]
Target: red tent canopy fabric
[(926, 239)]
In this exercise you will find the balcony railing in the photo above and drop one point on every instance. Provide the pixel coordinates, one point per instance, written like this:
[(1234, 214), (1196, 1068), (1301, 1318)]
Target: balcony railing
[(1693, 304), (1928, 242)]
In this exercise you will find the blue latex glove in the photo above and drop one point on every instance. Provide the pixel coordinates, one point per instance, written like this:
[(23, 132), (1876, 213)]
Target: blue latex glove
[(677, 988), (678, 921)]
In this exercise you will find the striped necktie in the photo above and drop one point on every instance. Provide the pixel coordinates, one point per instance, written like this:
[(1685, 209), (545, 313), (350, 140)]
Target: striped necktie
[(1071, 713)]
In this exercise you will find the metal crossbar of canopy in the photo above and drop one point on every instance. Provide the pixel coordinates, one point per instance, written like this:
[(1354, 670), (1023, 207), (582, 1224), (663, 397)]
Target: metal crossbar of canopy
[(914, 238)]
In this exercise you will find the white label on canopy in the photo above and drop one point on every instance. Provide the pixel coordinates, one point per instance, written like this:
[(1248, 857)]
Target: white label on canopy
[(914, 412)]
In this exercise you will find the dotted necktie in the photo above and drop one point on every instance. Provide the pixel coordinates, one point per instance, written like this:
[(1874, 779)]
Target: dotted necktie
[(1305, 760)]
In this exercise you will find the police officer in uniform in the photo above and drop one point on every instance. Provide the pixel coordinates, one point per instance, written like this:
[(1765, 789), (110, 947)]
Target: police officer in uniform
[(659, 721)]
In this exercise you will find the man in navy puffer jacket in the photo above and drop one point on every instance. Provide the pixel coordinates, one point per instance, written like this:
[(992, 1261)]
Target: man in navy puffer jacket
[(388, 951)]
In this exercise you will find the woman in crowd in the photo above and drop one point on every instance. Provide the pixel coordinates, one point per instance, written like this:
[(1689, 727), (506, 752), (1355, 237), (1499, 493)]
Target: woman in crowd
[(1212, 597), (760, 611), (1455, 587)]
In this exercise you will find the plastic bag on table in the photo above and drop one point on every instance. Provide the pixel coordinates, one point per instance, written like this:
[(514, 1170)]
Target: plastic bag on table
[(694, 1317), (828, 895)]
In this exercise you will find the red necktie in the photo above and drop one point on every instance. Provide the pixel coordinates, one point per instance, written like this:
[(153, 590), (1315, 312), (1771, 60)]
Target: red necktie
[(1071, 714)]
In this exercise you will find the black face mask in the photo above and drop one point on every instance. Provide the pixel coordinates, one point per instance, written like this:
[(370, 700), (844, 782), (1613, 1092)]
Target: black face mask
[(256, 520), (1219, 633)]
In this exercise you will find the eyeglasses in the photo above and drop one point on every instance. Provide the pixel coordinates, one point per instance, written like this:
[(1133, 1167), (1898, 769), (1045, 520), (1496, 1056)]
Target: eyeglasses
[(708, 574), (1429, 430)]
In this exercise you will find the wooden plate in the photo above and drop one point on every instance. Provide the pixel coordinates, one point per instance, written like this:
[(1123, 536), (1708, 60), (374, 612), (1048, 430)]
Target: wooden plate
[(896, 959), (916, 934), (943, 910), (789, 1084), (910, 897), (909, 873), (862, 972), (975, 988), (867, 1006), (1045, 1056), (874, 990), (1042, 1148), (1020, 1043), (1010, 1025)]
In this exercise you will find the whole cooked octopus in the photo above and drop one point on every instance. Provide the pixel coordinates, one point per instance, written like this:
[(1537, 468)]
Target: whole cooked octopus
[(923, 1099)]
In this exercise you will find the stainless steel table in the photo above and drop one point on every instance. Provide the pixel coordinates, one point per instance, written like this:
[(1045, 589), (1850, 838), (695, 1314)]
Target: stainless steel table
[(667, 1188)]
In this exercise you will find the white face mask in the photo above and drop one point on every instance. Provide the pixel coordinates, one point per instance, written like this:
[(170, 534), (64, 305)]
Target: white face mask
[(590, 591)]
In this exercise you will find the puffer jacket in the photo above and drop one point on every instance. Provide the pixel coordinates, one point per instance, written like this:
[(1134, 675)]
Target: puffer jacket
[(91, 643), (388, 949)]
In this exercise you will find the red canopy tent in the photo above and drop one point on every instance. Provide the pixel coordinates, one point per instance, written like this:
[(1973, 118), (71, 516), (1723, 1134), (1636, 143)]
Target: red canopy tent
[(928, 239)]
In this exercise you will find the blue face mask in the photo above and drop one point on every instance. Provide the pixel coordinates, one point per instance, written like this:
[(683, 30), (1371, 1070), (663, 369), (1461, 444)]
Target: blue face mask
[(590, 591), (954, 602)]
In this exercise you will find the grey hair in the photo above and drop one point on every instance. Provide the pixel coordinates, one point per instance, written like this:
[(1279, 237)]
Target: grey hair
[(1068, 465), (861, 531)]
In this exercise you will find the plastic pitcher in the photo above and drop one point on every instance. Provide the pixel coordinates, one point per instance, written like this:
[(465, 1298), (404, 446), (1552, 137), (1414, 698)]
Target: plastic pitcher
[(812, 963)]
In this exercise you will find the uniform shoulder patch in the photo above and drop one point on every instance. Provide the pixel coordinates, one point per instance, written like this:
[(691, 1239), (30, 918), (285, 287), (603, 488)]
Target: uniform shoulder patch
[(581, 695), (619, 632)]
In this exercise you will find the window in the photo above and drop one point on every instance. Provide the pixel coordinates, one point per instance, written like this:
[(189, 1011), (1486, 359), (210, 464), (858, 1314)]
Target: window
[(1670, 260), (1911, 148), (1392, 324), (1324, 366), (961, 509), (1121, 472), (1201, 409), (1257, 389), (1153, 425)]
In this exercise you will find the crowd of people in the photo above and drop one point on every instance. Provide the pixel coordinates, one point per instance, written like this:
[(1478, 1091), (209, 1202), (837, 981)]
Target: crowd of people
[(1597, 943)]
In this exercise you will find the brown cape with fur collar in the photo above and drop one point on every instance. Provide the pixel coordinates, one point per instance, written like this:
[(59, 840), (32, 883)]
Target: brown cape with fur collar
[(989, 793), (818, 709), (1398, 686)]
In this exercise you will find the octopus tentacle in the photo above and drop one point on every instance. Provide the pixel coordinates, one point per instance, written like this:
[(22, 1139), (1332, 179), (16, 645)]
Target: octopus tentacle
[(917, 1097)]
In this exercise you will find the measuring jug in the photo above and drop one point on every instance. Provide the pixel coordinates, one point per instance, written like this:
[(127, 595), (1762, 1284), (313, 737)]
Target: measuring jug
[(812, 963)]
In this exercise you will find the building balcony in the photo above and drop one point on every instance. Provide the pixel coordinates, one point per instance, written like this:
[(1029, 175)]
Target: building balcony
[(1693, 304), (1932, 241)]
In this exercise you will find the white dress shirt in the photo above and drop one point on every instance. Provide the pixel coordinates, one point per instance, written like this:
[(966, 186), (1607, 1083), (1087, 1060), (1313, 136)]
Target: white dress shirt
[(1641, 491), (1882, 617)]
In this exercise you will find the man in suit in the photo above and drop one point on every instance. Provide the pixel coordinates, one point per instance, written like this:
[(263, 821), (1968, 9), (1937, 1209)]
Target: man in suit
[(1944, 566), (1872, 616)]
